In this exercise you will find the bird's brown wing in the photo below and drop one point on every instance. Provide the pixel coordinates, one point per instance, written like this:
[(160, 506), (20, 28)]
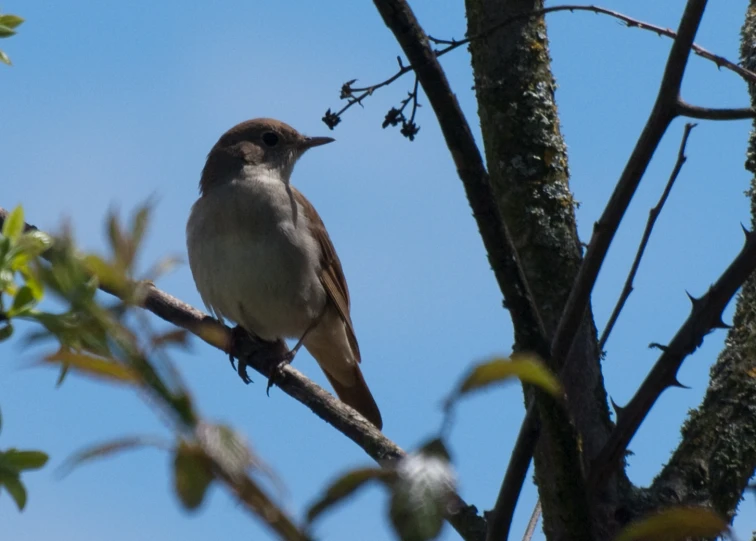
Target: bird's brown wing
[(332, 275)]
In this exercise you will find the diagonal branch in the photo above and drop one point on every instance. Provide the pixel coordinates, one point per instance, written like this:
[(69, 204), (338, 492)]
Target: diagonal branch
[(705, 316), (716, 456), (343, 418), (652, 217)]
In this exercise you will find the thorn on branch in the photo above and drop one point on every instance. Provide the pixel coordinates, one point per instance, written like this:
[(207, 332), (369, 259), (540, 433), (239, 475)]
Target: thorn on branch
[(693, 300), (721, 325), (656, 345), (617, 408), (676, 383)]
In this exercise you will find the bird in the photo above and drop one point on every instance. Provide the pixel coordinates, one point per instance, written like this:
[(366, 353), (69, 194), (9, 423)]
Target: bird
[(262, 258)]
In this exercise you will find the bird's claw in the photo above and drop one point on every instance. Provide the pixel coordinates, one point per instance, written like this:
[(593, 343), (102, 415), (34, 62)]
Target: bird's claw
[(237, 334), (276, 371)]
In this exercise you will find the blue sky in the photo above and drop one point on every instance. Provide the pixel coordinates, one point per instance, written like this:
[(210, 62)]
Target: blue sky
[(110, 103)]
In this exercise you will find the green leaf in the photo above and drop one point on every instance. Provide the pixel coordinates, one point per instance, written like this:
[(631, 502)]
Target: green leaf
[(6, 331), (5, 59), (192, 475), (108, 448), (23, 460), (33, 283), (22, 302), (14, 223), (15, 488), (11, 21), (675, 523), (96, 367), (139, 223), (7, 285), (119, 242), (527, 368), (6, 32), (5, 246), (346, 485), (33, 244)]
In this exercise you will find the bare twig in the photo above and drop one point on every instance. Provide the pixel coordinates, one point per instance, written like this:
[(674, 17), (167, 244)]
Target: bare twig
[(533, 522), (705, 113), (705, 316), (395, 116), (500, 519), (652, 217), (332, 119), (342, 417)]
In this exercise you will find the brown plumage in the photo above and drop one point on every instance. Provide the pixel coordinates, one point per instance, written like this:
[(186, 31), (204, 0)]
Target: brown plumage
[(261, 256)]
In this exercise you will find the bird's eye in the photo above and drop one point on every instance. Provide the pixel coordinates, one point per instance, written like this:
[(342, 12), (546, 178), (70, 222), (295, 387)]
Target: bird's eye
[(270, 139)]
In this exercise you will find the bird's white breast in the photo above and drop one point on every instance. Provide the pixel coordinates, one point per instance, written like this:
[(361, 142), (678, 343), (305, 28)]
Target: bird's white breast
[(253, 258)]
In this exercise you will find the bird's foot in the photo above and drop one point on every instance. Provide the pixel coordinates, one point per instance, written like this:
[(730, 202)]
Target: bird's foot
[(238, 334), (276, 368)]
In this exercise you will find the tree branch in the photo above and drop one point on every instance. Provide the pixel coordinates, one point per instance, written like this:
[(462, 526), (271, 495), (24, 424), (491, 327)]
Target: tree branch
[(604, 230), (716, 456), (331, 119), (652, 216), (705, 316), (706, 113), (500, 518), (342, 417)]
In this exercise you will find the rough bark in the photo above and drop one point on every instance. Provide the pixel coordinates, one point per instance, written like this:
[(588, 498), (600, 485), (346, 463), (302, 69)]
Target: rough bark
[(717, 455), (527, 163)]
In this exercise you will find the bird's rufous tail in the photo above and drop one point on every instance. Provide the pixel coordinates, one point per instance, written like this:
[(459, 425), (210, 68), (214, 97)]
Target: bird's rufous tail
[(358, 396)]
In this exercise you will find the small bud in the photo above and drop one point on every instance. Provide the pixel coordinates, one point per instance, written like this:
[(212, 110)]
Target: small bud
[(409, 130), (331, 119), (393, 118), (346, 89)]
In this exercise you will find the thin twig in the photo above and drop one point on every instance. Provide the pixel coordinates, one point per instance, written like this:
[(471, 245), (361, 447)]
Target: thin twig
[(514, 479), (331, 119), (533, 522), (652, 216), (706, 113)]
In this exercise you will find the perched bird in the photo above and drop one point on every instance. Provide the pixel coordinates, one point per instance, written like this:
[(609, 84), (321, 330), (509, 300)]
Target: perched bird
[(261, 256)]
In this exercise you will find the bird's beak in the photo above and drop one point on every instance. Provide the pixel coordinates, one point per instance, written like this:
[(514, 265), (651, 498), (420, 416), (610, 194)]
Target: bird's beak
[(310, 142)]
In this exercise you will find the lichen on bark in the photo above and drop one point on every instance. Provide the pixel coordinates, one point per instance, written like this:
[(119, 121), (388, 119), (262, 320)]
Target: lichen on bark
[(527, 163)]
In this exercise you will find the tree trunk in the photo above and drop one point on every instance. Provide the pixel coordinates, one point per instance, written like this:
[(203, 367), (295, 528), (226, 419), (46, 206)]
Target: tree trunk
[(527, 164)]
